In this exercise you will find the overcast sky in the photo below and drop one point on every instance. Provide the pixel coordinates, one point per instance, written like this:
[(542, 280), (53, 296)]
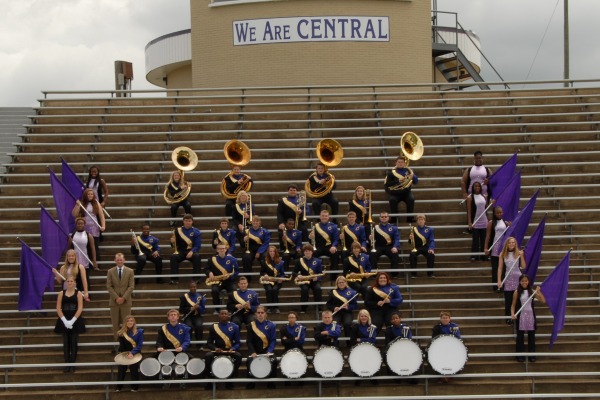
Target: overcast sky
[(72, 44)]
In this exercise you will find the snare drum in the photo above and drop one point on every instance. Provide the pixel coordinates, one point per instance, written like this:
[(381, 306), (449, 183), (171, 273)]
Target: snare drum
[(261, 366), (328, 361), (166, 357), (182, 358), (222, 367), (404, 357), (365, 359), (293, 364), (195, 367), (447, 354), (150, 367)]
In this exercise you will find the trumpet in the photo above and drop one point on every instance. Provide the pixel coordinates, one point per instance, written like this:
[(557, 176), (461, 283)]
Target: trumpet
[(217, 280), (137, 245), (250, 206), (298, 281)]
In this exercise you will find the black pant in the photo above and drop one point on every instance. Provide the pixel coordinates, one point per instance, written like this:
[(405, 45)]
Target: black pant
[(385, 251), (494, 262), (215, 290), (382, 315), (247, 261), (521, 341), (272, 294), (360, 286), (344, 317), (508, 298), (176, 259), (405, 196), (328, 199), (424, 251), (195, 323), (242, 318), (316, 289), (334, 258), (187, 207), (134, 369), (70, 346), (478, 243), (141, 263)]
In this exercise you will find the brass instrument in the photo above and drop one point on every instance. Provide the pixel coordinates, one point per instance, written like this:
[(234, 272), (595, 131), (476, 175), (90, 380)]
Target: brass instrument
[(237, 153), (312, 241), (248, 241), (412, 232), (285, 242), (217, 280), (412, 148), (305, 281), (343, 237), (137, 245), (359, 277), (250, 206), (174, 244), (369, 195), (330, 153), (271, 280), (184, 159), (373, 249)]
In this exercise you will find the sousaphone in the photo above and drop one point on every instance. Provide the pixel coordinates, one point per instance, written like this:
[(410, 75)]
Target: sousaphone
[(237, 153), (330, 153), (184, 159)]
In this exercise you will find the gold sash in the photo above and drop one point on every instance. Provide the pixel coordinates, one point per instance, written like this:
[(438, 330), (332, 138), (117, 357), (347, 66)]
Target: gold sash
[(129, 339), (361, 208), (306, 267), (388, 239), (380, 293), (289, 204), (339, 296), (272, 268), (239, 209), (255, 238), (187, 240), (223, 336), (170, 337), (191, 302), (142, 243), (240, 300), (323, 234), (418, 234), (261, 335), (351, 234), (288, 239), (221, 238), (218, 266), (356, 265)]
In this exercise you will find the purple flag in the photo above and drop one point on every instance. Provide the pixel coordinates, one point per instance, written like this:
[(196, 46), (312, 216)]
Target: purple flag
[(34, 277), (71, 180), (64, 202), (499, 179), (54, 239), (509, 198), (555, 289), (521, 222), (533, 250)]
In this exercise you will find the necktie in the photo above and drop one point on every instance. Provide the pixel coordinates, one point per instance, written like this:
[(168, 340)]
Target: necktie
[(120, 270)]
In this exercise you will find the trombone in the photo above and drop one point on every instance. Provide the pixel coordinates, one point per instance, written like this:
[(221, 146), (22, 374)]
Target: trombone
[(137, 245), (412, 232), (370, 206)]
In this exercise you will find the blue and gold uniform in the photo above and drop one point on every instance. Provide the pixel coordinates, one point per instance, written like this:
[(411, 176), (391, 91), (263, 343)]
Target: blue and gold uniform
[(194, 319), (262, 338), (150, 252), (132, 343), (424, 244), (387, 237), (222, 266), (327, 236), (243, 297), (258, 242), (227, 237), (450, 329), (306, 267), (358, 264), (331, 339), (354, 233), (383, 313), (337, 298), (186, 240), (292, 242), (223, 337), (293, 336), (399, 189), (170, 337), (401, 331), (315, 187), (231, 184), (360, 208), (272, 288), (361, 333)]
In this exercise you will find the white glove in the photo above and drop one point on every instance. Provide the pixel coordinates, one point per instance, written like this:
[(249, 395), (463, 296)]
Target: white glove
[(70, 325), (72, 321), (64, 321)]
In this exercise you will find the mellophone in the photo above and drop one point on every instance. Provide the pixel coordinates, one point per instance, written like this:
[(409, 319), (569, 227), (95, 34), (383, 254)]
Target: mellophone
[(446, 354)]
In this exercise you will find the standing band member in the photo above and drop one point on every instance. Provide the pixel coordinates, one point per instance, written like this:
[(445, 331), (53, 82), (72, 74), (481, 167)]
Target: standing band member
[(145, 248), (69, 306), (423, 241), (131, 339), (526, 320), (192, 306), (398, 184), (91, 211), (97, 184), (187, 241), (511, 265)]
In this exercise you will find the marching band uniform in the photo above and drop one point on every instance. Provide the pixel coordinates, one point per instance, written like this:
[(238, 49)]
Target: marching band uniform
[(262, 338), (393, 178), (294, 245), (293, 336), (353, 233), (307, 267), (258, 242), (225, 236), (335, 331), (382, 314), (450, 329), (360, 333), (424, 241), (360, 208), (387, 237), (174, 188), (392, 332), (337, 298), (272, 288), (133, 344), (360, 264), (231, 186), (148, 245), (286, 209), (313, 181), (171, 337), (194, 320), (327, 236), (224, 336), (186, 240), (238, 296), (237, 219), (222, 266)]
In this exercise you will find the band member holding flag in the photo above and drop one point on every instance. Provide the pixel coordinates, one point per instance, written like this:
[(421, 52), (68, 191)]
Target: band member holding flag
[(511, 266), (493, 245), (522, 303), (476, 212)]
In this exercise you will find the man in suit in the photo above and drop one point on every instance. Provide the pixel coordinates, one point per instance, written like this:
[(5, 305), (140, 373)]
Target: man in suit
[(119, 283)]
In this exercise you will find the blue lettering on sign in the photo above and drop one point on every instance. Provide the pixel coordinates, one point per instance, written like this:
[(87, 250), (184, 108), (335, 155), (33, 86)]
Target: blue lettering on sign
[(355, 28), (300, 24), (316, 29), (343, 22), (268, 32), (369, 30), (381, 36), (330, 27), (244, 34)]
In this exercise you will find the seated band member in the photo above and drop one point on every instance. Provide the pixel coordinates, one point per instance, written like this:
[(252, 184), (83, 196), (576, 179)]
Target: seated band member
[(357, 269), (175, 188), (363, 331), (173, 335), (223, 340), (293, 334), (446, 326), (242, 303), (352, 232), (307, 274), (293, 206), (386, 238), (318, 184), (398, 184), (342, 301), (383, 299), (224, 235), (221, 271), (241, 216), (187, 242), (327, 331), (231, 185), (291, 242), (272, 267), (359, 205), (192, 306), (397, 329), (262, 338), (257, 242), (145, 248), (326, 238), (423, 241)]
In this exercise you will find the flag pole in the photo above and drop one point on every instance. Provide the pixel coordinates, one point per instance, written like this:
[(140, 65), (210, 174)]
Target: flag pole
[(510, 269), (526, 302), (482, 214)]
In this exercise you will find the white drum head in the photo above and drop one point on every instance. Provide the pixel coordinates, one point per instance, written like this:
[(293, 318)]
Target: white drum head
[(181, 358), (166, 371), (365, 360), (195, 366), (328, 361), (180, 370), (404, 357), (166, 357), (447, 354), (260, 367), (222, 367), (293, 364), (150, 367)]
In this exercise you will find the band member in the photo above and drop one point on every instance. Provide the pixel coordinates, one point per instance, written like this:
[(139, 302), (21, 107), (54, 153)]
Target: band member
[(398, 184), (293, 334), (231, 185), (423, 241), (511, 265), (327, 331), (145, 248), (326, 238), (360, 205), (363, 331), (91, 211), (242, 303), (224, 340), (397, 329), (192, 306), (187, 242), (293, 206), (84, 245), (69, 307), (120, 283), (342, 301), (386, 239), (272, 267), (318, 183), (351, 233), (262, 338), (446, 326), (357, 269), (291, 242), (131, 339), (174, 335), (383, 299), (526, 319), (224, 235), (97, 184), (257, 241), (241, 216), (221, 271), (175, 187), (307, 274)]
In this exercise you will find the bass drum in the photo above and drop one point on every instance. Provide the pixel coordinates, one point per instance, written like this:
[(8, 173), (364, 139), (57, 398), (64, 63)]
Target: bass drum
[(404, 357), (150, 368), (195, 367), (447, 354), (222, 367), (328, 361), (293, 364), (261, 366), (365, 359)]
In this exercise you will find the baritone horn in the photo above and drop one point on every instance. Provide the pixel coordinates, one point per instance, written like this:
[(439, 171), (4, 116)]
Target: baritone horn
[(330, 154), (184, 159), (411, 146), (237, 153)]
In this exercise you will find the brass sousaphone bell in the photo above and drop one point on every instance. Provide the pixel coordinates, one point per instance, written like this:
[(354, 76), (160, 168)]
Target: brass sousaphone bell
[(184, 159), (330, 153), (412, 146), (237, 153)]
